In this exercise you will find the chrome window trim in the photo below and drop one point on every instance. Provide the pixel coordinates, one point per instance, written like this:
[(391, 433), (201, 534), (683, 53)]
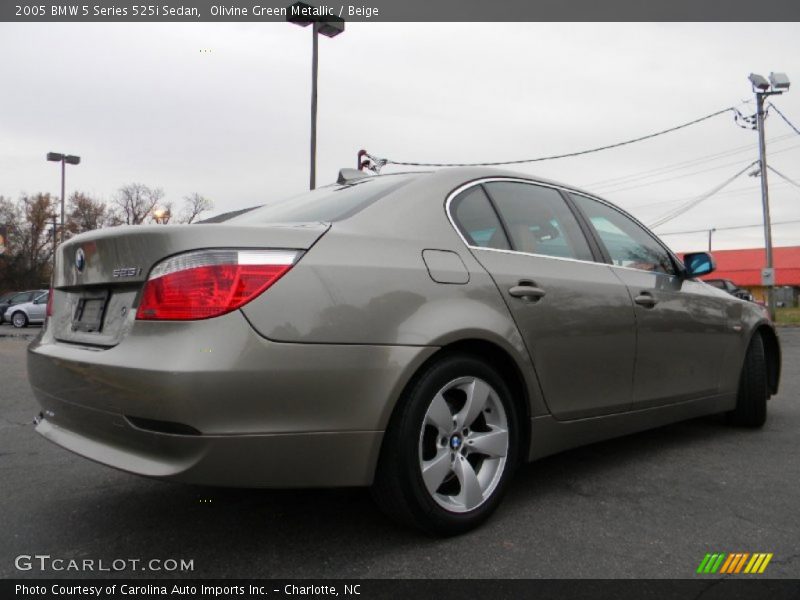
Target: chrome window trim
[(561, 188)]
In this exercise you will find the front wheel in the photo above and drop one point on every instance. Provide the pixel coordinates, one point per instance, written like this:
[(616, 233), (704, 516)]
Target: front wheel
[(451, 448), (19, 320), (751, 400)]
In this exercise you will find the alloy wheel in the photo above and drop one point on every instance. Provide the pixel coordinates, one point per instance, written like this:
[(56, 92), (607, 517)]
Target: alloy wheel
[(463, 444)]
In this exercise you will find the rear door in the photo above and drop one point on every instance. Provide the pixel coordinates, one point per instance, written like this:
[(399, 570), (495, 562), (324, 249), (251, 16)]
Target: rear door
[(683, 331), (574, 314)]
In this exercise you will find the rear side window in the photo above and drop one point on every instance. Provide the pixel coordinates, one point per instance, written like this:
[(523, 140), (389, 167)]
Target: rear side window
[(477, 221), (628, 244), (327, 204), (538, 220)]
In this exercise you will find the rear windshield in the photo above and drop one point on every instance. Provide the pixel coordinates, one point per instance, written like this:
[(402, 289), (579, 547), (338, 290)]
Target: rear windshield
[(328, 204)]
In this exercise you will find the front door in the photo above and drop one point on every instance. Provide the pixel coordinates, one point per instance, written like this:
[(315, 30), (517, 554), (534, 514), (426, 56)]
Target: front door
[(683, 331)]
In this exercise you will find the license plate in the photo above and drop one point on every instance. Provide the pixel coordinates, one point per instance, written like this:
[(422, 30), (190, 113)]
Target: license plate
[(89, 313)]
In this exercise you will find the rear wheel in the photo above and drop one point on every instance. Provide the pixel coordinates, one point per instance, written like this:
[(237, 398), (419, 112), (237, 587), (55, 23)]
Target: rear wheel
[(751, 401), (19, 320), (450, 451)]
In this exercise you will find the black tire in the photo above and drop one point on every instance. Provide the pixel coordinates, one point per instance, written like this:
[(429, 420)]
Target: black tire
[(399, 488), (23, 321), (751, 401)]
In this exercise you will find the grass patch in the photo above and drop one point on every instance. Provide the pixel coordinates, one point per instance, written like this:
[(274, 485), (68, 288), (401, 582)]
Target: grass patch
[(787, 316)]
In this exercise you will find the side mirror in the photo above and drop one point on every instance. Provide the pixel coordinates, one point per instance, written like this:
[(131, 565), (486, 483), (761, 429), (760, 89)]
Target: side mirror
[(698, 263)]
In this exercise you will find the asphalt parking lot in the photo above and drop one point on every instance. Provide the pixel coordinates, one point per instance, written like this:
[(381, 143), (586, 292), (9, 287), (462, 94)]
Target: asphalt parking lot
[(648, 505)]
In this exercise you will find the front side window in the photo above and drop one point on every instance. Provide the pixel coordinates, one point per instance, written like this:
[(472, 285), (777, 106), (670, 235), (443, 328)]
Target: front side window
[(628, 244), (477, 220), (538, 220)]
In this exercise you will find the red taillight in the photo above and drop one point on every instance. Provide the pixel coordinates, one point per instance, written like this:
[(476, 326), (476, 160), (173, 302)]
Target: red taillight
[(49, 309), (209, 283)]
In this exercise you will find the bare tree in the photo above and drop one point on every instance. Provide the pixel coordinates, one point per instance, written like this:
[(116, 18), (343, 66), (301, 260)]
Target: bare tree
[(136, 201), (85, 213), (193, 206), (29, 247)]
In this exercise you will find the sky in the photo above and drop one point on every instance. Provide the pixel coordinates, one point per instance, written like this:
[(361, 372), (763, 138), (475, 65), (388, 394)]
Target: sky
[(222, 109)]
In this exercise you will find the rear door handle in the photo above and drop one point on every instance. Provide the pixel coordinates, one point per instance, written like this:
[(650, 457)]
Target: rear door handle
[(645, 299), (527, 289)]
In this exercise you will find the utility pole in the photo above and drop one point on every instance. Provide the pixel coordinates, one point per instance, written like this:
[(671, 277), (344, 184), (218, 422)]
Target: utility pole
[(768, 277), (710, 232), (777, 84)]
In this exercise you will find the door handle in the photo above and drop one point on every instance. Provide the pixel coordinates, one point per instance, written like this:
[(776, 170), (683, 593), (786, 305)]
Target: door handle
[(527, 290), (645, 299)]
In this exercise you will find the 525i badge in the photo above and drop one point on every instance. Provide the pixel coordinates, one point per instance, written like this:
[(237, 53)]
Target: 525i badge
[(126, 272)]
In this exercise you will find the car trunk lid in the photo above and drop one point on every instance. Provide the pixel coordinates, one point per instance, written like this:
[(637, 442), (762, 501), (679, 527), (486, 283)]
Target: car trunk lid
[(103, 272)]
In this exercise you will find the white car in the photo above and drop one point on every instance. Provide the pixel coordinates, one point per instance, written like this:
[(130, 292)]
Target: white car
[(22, 315)]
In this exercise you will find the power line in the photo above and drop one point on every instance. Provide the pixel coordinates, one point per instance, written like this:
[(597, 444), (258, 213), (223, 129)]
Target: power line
[(782, 176), (666, 179), (673, 178), (753, 190), (785, 118), (692, 203), (380, 162), (728, 228), (624, 179)]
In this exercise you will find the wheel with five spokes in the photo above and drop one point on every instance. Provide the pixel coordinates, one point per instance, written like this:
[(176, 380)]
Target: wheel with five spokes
[(450, 448)]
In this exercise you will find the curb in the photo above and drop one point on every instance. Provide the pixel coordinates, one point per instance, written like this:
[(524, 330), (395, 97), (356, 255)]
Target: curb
[(14, 334)]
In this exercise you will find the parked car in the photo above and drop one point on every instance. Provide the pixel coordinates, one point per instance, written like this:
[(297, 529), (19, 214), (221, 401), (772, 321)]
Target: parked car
[(419, 333), (13, 298), (22, 315), (730, 287)]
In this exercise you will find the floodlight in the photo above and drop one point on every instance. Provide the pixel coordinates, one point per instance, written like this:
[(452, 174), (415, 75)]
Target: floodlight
[(780, 81), (759, 82), (331, 26)]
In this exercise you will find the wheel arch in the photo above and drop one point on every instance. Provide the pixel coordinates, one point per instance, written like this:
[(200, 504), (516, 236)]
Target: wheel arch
[(500, 359), (772, 349)]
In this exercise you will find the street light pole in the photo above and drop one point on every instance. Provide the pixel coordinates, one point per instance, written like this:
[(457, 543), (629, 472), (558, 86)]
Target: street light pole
[(64, 159), (304, 15), (314, 70), (777, 84), (710, 231)]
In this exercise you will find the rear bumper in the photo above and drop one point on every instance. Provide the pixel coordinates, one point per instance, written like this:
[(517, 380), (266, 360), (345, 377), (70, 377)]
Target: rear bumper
[(278, 460), (262, 414)]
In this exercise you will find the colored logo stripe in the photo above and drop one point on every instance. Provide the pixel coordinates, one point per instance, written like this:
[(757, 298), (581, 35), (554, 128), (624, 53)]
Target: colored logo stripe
[(735, 562)]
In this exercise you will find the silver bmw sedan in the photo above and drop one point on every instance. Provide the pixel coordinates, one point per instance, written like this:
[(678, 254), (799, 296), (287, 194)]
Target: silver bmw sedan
[(421, 333)]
